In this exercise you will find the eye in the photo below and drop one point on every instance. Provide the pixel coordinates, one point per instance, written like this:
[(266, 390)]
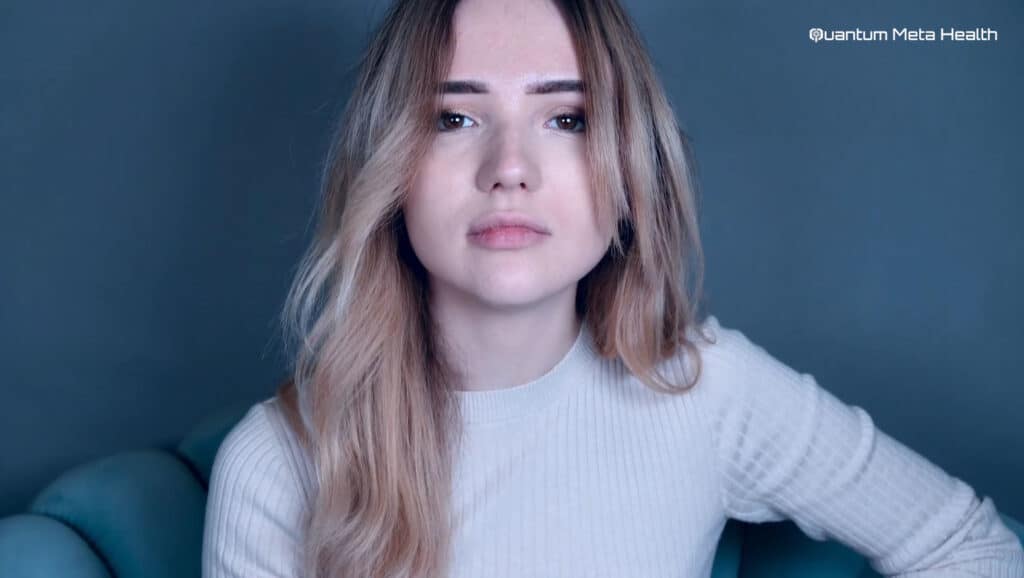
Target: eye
[(571, 122), (449, 120)]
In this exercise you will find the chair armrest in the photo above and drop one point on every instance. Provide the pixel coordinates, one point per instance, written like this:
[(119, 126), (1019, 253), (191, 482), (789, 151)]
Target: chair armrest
[(142, 511), (34, 546)]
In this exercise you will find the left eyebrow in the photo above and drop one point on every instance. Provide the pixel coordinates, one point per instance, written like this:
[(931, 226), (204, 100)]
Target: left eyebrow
[(542, 87)]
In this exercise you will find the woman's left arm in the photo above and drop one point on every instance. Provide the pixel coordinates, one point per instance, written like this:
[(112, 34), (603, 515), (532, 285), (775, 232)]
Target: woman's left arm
[(789, 449)]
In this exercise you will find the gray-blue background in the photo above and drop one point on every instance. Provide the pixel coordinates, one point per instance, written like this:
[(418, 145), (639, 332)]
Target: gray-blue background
[(861, 210)]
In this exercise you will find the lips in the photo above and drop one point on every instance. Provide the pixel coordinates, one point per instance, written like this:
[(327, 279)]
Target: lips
[(506, 219)]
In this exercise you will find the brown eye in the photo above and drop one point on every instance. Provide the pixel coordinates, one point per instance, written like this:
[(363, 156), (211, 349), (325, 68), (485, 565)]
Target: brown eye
[(448, 120), (570, 122)]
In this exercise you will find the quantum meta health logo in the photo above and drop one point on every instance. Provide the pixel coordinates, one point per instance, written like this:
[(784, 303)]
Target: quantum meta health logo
[(904, 35)]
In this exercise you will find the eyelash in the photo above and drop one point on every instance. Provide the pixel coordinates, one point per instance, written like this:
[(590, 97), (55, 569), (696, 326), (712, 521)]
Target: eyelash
[(576, 114)]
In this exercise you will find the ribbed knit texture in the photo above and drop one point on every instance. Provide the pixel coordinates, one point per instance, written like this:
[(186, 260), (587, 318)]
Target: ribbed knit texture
[(586, 472)]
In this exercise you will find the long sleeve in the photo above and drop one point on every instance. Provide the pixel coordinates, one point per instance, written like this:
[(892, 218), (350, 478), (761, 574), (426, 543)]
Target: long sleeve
[(789, 449), (253, 511)]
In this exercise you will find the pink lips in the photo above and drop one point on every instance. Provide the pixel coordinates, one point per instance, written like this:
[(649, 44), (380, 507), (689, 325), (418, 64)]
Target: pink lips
[(506, 230), (506, 219), (506, 238)]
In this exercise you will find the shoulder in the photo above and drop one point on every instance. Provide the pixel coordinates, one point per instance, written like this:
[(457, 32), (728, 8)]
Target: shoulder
[(260, 450), (256, 505), (753, 399), (736, 372), (252, 458), (728, 345), (726, 355)]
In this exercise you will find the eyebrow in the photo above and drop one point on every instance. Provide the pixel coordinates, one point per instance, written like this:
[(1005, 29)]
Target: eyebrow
[(542, 87)]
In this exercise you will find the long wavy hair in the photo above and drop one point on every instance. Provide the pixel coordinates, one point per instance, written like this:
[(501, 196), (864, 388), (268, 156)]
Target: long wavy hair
[(370, 387)]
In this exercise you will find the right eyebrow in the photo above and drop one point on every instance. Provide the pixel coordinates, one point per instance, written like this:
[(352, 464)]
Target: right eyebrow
[(542, 87)]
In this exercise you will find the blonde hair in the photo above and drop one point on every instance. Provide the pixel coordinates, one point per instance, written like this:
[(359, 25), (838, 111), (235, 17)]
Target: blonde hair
[(370, 391)]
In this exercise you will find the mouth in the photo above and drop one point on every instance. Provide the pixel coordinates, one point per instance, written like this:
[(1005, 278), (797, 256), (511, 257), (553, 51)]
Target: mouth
[(506, 220), (507, 237)]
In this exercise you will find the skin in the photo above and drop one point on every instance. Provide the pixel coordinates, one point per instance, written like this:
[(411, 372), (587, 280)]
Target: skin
[(508, 315)]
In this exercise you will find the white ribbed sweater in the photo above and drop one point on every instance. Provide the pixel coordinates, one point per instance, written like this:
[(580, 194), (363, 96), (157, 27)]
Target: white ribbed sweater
[(586, 472)]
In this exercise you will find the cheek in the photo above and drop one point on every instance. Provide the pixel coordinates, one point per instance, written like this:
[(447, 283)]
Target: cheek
[(575, 200), (421, 204), (422, 221), (417, 220), (429, 213)]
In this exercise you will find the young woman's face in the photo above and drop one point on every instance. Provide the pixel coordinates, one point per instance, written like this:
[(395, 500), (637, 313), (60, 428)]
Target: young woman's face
[(499, 148)]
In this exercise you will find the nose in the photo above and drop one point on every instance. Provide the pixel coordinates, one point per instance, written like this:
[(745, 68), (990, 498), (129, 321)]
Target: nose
[(508, 163)]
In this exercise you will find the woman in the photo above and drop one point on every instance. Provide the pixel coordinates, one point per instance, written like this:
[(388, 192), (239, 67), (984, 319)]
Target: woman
[(500, 367)]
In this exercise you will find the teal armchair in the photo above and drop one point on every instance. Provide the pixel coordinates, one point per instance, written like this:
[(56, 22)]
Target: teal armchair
[(132, 514), (140, 514)]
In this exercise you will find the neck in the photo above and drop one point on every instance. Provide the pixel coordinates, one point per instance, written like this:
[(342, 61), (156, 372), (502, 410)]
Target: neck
[(498, 349)]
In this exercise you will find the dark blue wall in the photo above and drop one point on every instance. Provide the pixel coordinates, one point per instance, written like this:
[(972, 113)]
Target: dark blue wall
[(159, 168), (861, 210)]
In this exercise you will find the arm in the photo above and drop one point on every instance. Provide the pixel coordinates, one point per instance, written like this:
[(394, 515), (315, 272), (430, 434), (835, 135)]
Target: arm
[(789, 449), (254, 507)]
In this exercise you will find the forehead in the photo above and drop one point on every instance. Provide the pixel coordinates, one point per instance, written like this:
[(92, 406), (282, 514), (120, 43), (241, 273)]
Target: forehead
[(508, 42)]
